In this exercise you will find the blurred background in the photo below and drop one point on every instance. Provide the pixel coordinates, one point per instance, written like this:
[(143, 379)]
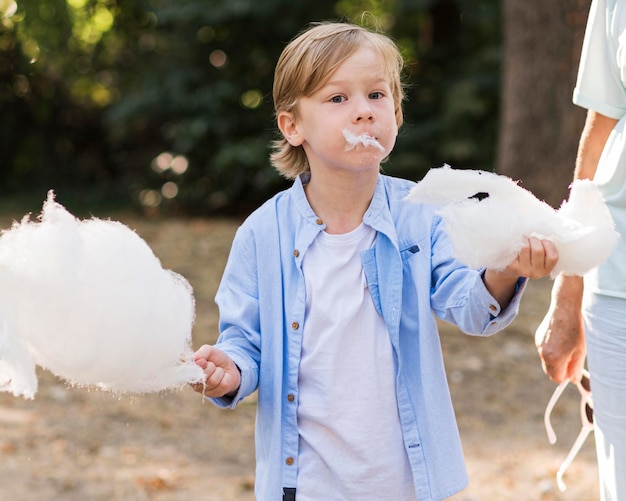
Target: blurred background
[(165, 107)]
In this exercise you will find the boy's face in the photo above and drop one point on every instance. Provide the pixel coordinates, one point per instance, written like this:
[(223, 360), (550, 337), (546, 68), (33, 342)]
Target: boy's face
[(355, 103)]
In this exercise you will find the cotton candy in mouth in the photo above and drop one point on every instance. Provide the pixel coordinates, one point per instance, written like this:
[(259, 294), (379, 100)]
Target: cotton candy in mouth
[(364, 139)]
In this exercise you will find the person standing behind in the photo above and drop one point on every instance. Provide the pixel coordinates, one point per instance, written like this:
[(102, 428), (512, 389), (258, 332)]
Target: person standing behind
[(327, 299), (587, 317)]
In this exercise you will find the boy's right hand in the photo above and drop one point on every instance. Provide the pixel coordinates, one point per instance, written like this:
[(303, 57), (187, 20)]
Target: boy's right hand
[(222, 376)]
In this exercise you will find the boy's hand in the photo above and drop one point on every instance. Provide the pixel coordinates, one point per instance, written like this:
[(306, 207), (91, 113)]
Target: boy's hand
[(222, 376), (537, 258)]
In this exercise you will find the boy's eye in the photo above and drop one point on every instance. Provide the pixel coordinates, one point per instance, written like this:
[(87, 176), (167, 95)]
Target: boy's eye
[(337, 99), (376, 95)]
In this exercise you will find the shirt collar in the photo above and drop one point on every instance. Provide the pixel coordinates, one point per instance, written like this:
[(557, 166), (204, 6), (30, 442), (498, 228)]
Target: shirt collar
[(300, 200), (377, 215)]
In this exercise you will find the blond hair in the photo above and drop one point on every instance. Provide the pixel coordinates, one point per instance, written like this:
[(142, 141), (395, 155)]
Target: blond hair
[(307, 63)]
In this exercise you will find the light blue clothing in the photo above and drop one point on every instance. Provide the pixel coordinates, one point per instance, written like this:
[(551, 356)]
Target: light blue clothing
[(410, 272), (601, 87), (601, 72), (606, 346)]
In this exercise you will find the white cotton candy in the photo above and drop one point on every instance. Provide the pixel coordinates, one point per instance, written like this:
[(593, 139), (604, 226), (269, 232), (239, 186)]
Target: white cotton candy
[(364, 140), (490, 232), (89, 301)]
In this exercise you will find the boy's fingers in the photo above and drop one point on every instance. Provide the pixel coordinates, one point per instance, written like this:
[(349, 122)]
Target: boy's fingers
[(203, 352), (201, 362), (552, 254), (537, 257), (215, 378)]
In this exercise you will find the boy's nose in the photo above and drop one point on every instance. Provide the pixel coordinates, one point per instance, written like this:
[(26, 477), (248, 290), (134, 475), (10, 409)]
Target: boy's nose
[(365, 117), (364, 112)]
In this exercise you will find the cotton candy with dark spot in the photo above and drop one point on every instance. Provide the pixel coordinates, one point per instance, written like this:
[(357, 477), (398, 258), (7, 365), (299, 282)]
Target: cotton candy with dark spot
[(488, 216)]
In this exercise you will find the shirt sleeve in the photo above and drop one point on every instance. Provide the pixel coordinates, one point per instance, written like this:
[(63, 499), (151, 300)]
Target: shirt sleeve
[(459, 295), (599, 85), (238, 302)]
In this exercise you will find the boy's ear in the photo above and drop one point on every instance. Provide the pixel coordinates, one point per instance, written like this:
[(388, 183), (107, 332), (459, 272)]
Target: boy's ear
[(287, 124)]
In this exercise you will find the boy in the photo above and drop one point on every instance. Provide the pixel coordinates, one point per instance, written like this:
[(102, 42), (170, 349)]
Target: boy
[(327, 300)]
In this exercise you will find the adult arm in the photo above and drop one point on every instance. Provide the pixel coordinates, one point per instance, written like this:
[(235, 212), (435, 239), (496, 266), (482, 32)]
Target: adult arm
[(561, 344)]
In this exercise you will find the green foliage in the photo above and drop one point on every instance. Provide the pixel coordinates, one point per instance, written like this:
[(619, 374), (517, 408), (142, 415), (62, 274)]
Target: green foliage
[(453, 50), (169, 103), (53, 88)]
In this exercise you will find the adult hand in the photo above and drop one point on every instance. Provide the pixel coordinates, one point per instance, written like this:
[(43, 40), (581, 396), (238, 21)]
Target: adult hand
[(560, 339)]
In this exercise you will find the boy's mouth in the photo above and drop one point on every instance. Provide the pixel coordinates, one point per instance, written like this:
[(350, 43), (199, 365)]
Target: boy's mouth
[(363, 139)]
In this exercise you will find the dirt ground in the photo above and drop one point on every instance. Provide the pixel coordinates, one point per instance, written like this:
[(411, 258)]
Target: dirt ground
[(71, 444)]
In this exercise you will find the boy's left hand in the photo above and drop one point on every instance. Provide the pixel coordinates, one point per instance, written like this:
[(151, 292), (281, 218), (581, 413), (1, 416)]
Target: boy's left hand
[(537, 258)]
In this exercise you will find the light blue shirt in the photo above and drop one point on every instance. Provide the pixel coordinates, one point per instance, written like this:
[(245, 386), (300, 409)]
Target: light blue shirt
[(410, 273)]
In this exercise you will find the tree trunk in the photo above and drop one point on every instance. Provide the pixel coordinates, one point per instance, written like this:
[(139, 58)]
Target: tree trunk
[(539, 124)]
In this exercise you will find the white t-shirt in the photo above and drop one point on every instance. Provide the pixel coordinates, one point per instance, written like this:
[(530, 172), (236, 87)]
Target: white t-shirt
[(351, 445), (601, 86)]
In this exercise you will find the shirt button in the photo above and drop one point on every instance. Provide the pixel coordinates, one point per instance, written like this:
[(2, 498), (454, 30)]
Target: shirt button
[(295, 326), (290, 397), (493, 307), (318, 221), (296, 253), (289, 461)]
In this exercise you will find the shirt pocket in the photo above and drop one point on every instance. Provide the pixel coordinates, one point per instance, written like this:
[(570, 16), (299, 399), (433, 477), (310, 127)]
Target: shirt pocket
[(409, 251)]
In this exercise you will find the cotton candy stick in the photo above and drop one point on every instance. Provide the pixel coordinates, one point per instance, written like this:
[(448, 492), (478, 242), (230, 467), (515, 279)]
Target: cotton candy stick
[(89, 301)]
